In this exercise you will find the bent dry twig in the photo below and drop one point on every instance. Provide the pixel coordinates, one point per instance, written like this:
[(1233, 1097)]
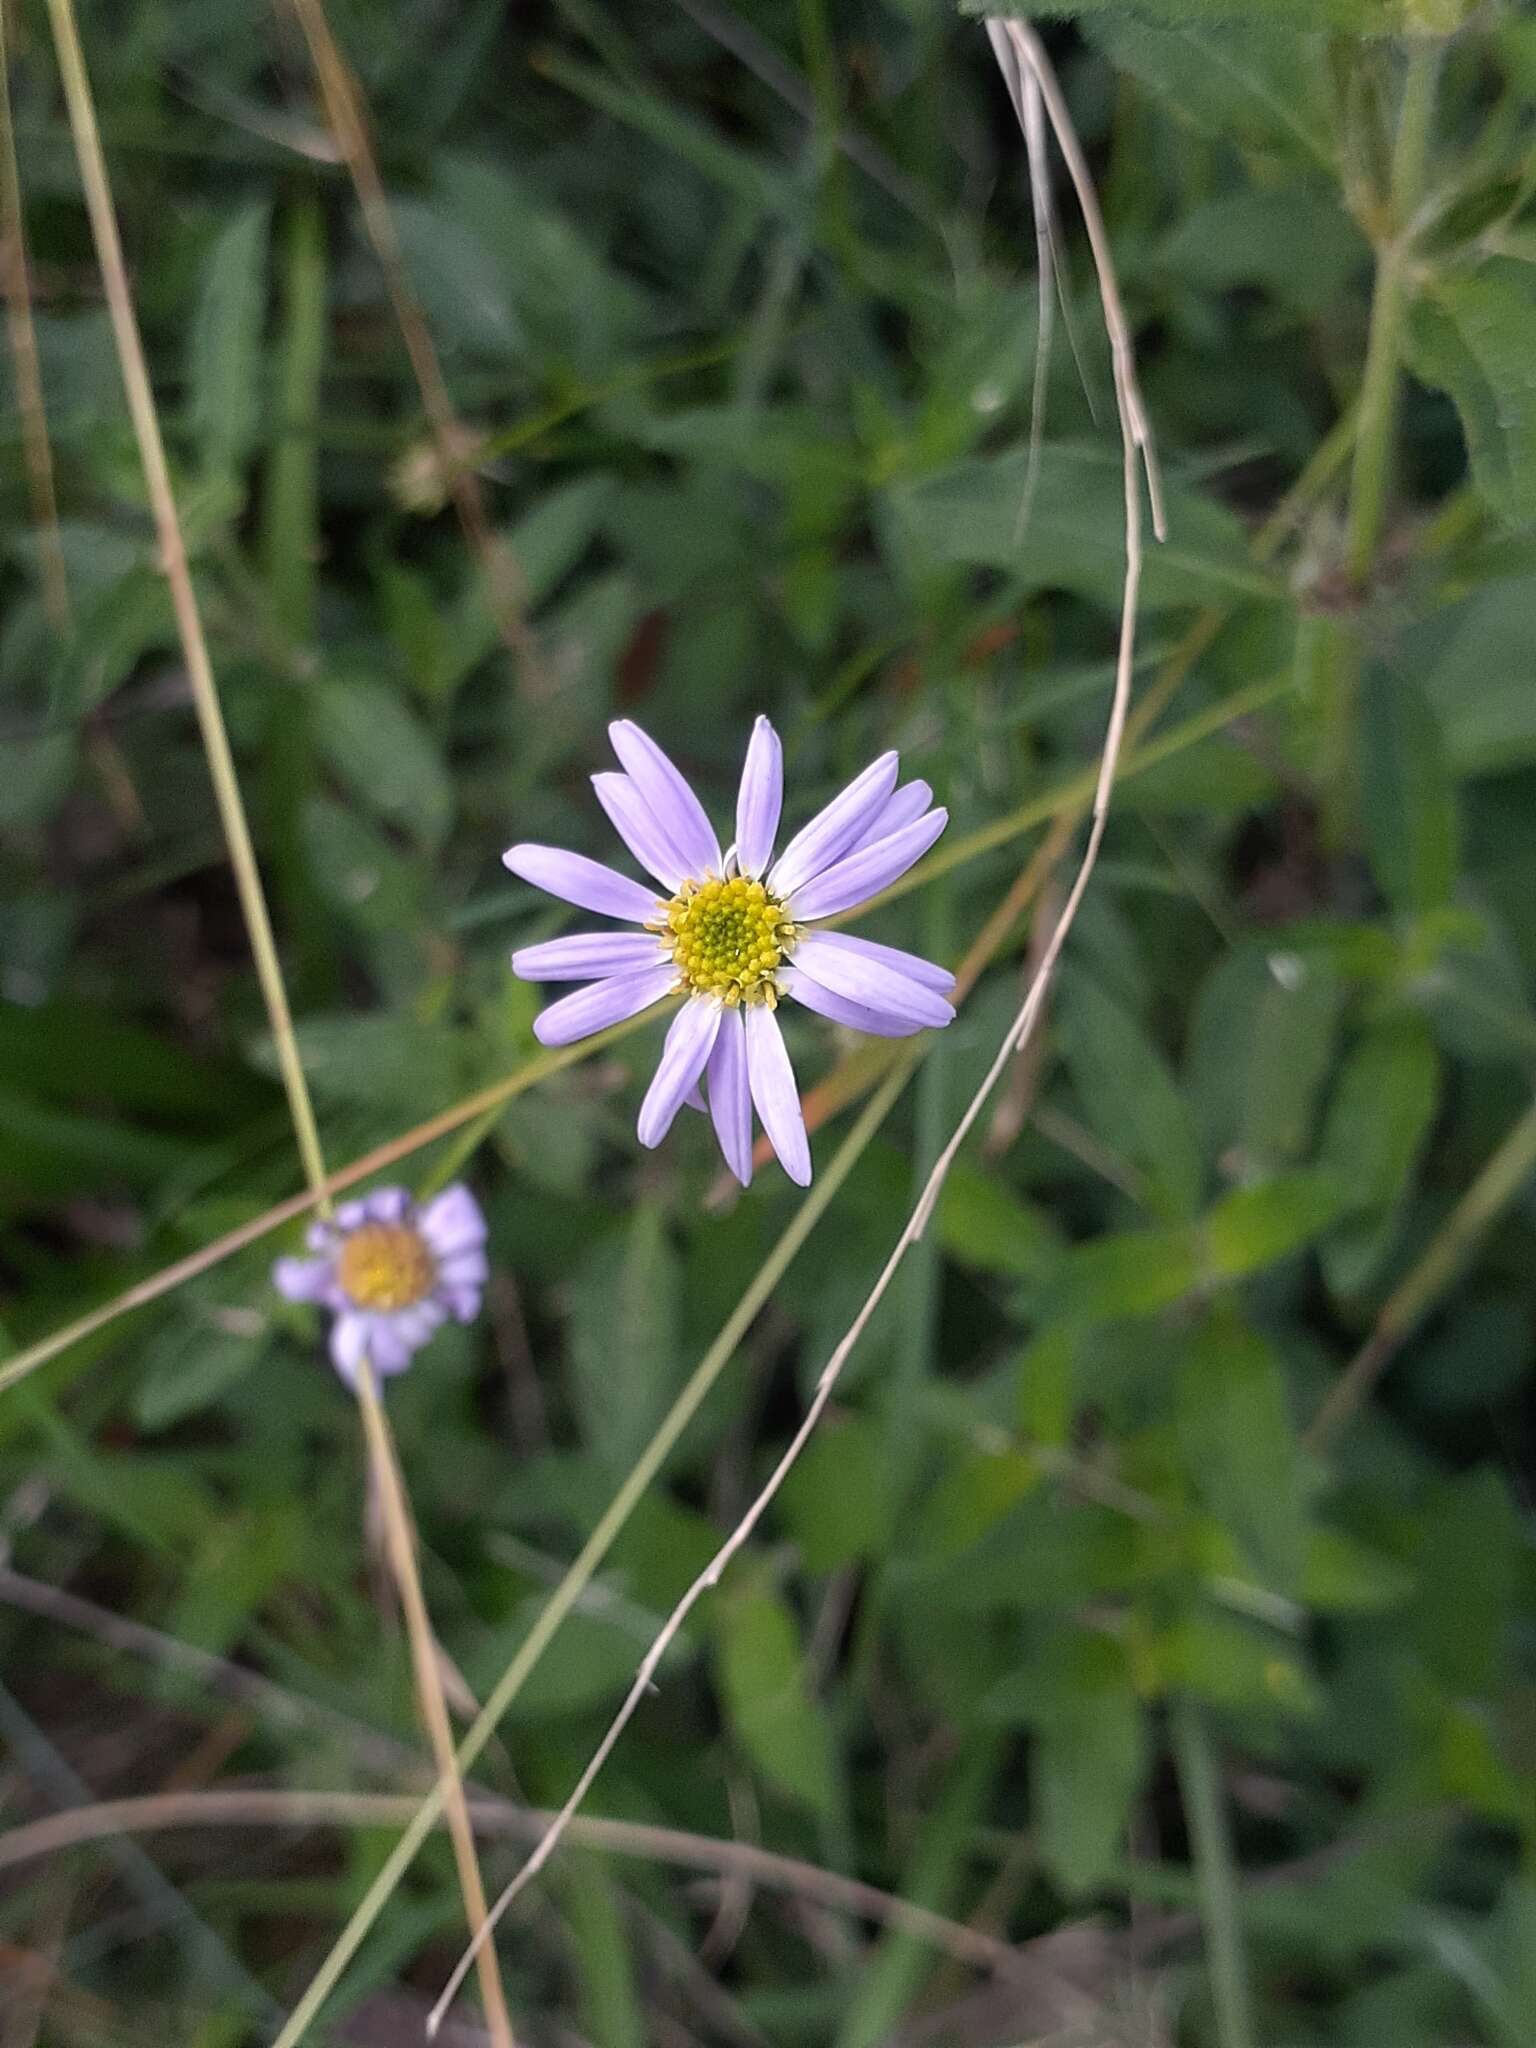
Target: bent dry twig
[(346, 113), (1030, 58)]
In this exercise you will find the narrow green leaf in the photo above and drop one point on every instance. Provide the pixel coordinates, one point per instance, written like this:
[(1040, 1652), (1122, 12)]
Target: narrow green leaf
[(1128, 1095), (767, 1701), (1408, 797), (224, 360), (1239, 1446)]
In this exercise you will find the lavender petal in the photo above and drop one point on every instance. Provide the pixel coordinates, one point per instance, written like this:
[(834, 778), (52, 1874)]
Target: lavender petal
[(839, 1010), (386, 1205), (772, 1082), (668, 796), (730, 1096), (602, 1003), (587, 956), (871, 982), (452, 1222), (902, 806), (833, 830), (759, 800), (349, 1339), (867, 872), (928, 972), (689, 1039), (302, 1279), (586, 883), (641, 830)]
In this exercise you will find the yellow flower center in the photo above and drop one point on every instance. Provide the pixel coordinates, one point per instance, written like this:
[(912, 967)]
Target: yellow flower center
[(728, 938), (386, 1266)]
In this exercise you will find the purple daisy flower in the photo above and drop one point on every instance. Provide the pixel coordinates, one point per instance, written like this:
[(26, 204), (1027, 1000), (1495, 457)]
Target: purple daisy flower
[(730, 931), (391, 1274)]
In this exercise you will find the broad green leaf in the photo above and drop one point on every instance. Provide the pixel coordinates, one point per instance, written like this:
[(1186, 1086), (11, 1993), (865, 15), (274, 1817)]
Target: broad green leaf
[(1132, 1274), (1260, 1048), (1290, 242), (1088, 1755), (1382, 1106), (376, 745), (1242, 73), (1407, 795), (838, 1500), (767, 1700), (224, 366), (1254, 1226), (969, 515), (379, 1061), (975, 1491), (622, 1337), (1340, 1575), (982, 1225), (1127, 1093), (1482, 689), (1239, 1447), (118, 627), (1474, 337), (187, 1365), (1235, 1664)]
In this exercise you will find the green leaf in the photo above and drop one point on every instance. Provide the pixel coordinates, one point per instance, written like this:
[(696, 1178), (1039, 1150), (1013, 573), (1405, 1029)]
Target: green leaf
[(187, 1365), (1089, 1754), (224, 358), (1474, 337), (974, 1492), (1254, 1226), (838, 1500), (767, 1701), (378, 747), (1343, 1576), (1383, 1104), (1132, 1274), (1239, 1447), (982, 1225), (1261, 1046), (969, 515), (1408, 797), (1128, 1095), (1480, 689), (1241, 73), (622, 1337)]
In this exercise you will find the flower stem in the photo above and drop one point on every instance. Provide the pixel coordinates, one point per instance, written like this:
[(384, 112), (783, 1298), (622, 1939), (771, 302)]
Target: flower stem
[(400, 1546), (1215, 1874)]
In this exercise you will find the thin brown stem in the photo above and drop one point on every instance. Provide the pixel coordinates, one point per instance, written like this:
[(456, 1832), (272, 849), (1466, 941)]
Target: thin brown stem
[(454, 444), (22, 331), (400, 1543)]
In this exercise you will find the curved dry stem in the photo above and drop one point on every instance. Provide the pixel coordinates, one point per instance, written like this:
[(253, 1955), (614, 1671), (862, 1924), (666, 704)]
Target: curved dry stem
[(1033, 63), (346, 112)]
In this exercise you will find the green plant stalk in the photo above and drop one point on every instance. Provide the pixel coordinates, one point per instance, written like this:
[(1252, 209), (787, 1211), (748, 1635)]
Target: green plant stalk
[(1340, 654), (1503, 1176), (1215, 1874), (585, 1565)]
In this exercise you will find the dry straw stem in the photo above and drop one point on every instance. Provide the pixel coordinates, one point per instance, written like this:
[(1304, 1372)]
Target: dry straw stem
[(23, 339), (244, 1806), (173, 561), (1029, 61), (400, 1541), (253, 904), (346, 112)]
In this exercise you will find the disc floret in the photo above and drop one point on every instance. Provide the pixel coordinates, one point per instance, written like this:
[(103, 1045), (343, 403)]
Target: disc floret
[(386, 1266), (729, 939)]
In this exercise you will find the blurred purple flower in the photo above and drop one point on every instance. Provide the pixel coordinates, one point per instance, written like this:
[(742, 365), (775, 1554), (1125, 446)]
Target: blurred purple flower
[(729, 932), (391, 1273)]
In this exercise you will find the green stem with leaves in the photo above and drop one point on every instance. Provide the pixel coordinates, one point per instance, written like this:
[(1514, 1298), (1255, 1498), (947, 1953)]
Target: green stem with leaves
[(1210, 1844)]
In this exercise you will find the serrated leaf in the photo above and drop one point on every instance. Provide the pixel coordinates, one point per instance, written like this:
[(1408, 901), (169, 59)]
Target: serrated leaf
[(767, 1701)]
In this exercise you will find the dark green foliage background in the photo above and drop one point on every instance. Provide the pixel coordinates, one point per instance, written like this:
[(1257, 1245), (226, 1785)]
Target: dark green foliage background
[(754, 410)]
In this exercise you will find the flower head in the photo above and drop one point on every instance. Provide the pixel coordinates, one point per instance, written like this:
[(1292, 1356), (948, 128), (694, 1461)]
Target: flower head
[(391, 1273), (732, 932)]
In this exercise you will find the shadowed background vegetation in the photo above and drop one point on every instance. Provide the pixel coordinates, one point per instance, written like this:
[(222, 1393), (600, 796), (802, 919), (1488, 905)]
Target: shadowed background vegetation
[(1157, 1599)]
